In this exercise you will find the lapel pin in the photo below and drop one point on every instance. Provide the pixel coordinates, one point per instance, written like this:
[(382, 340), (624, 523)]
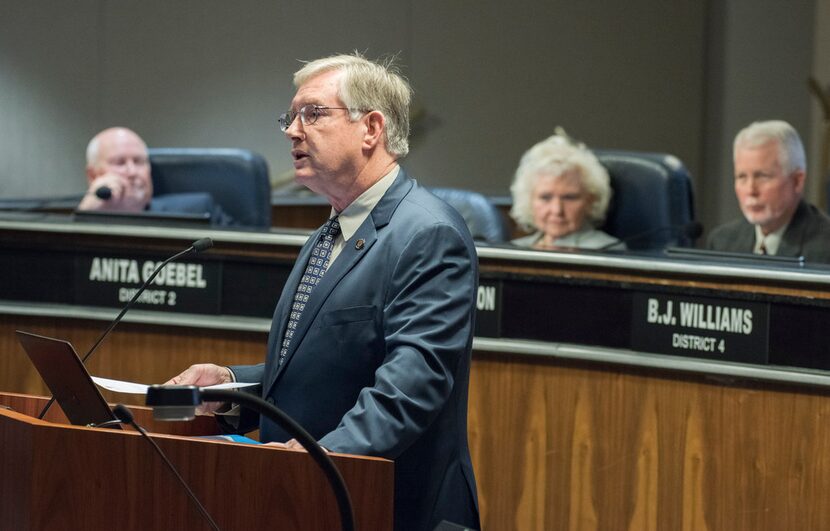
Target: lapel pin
[(359, 244)]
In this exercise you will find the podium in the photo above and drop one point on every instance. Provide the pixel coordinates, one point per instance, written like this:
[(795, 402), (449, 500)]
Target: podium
[(57, 476)]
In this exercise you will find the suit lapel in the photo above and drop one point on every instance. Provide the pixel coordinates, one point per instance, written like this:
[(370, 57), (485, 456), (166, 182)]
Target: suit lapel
[(345, 262), (746, 239), (791, 241)]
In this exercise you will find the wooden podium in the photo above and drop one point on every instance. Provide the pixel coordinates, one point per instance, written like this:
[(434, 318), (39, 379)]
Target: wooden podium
[(55, 476)]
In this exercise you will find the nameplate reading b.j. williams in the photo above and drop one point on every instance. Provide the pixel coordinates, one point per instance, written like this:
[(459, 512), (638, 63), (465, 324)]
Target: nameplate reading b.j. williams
[(700, 327)]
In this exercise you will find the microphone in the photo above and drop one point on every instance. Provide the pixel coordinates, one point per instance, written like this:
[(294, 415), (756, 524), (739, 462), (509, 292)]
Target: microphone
[(197, 247), (124, 415), (692, 229), (104, 192)]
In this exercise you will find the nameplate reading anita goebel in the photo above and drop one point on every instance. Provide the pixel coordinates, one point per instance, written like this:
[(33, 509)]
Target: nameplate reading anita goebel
[(187, 286)]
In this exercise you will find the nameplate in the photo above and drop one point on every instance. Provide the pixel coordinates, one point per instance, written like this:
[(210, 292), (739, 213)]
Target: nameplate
[(488, 308), (185, 286), (700, 327)]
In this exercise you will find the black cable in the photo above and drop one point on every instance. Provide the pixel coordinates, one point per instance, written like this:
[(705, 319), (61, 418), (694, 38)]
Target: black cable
[(126, 416), (107, 424), (338, 486), (198, 246), (132, 301)]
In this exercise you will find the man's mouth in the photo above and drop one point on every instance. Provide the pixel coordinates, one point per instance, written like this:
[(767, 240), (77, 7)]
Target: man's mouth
[(298, 154)]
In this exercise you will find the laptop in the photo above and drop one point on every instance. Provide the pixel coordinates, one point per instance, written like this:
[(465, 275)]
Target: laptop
[(67, 378)]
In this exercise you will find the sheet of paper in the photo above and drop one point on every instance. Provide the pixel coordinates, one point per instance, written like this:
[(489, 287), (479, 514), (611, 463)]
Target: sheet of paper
[(141, 389)]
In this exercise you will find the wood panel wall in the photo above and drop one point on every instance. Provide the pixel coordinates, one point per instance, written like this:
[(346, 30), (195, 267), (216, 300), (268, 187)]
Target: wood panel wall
[(559, 444), (141, 353)]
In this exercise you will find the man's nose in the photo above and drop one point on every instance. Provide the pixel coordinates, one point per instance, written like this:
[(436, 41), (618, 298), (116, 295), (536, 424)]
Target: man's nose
[(130, 168), (745, 186), (295, 129)]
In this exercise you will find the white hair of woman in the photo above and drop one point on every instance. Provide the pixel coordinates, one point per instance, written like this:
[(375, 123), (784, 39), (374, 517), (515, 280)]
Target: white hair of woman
[(554, 157)]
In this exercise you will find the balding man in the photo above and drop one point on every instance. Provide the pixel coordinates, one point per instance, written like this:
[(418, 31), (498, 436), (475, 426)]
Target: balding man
[(118, 173)]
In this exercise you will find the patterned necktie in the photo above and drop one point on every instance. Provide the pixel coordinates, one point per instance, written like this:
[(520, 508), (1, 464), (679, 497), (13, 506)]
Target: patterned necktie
[(763, 248), (314, 271)]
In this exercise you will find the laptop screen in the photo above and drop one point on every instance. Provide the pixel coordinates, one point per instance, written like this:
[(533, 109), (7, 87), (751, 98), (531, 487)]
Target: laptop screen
[(67, 378)]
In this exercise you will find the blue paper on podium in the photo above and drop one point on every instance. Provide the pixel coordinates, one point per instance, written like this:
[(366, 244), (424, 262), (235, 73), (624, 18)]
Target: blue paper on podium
[(230, 438)]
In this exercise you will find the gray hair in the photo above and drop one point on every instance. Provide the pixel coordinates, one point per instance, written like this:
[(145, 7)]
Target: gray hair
[(553, 157), (92, 151), (790, 149), (94, 146), (369, 86)]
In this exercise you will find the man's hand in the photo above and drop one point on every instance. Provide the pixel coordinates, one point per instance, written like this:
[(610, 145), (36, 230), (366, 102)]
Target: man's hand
[(293, 444), (127, 195), (202, 375)]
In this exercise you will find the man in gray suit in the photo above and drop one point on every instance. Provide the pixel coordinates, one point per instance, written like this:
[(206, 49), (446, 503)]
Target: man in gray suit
[(770, 170), (371, 339)]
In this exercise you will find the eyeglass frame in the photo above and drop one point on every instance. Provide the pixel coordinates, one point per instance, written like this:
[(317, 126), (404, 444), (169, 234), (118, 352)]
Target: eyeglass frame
[(284, 123)]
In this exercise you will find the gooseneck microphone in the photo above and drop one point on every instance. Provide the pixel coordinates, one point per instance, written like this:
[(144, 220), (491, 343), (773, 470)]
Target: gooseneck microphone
[(125, 416), (197, 247), (104, 192), (692, 229)]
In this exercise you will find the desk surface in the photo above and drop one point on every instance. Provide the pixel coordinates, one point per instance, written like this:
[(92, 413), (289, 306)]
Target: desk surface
[(565, 430), (595, 304)]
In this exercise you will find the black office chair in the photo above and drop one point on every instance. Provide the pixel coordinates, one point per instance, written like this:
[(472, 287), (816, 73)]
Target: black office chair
[(236, 178), (651, 191), (485, 221)]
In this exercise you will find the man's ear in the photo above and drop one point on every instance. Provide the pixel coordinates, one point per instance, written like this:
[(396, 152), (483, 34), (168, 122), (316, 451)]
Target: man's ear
[(798, 179), (375, 126)]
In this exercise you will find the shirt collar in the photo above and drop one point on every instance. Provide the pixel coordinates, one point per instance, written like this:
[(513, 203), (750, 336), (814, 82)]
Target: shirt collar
[(356, 213), (771, 241)]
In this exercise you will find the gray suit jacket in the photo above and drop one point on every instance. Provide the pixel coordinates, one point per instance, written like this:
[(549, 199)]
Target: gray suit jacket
[(808, 235), (379, 364)]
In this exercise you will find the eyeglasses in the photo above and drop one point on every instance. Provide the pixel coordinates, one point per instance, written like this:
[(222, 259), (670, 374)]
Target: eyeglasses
[(308, 115)]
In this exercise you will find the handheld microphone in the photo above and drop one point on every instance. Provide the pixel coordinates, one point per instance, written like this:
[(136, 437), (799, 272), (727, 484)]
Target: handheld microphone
[(104, 192), (197, 247), (126, 416), (692, 229)]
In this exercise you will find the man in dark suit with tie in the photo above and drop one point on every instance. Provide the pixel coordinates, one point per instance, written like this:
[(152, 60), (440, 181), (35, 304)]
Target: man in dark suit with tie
[(770, 170), (370, 343)]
